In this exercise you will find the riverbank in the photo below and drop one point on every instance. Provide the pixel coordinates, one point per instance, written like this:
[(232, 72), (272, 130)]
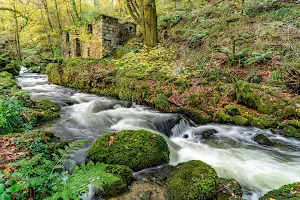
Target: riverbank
[(204, 100)]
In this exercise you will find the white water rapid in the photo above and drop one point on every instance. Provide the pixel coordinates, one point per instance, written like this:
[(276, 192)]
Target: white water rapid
[(232, 151)]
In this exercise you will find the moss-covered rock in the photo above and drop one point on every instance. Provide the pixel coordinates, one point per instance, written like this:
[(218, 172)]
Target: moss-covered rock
[(192, 180), (108, 180), (11, 68), (290, 192), (232, 110), (291, 131), (225, 118), (264, 121), (263, 140), (241, 121), (43, 111), (229, 189), (137, 149), (194, 115)]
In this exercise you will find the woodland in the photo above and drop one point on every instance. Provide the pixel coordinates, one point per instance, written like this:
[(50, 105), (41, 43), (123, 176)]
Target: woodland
[(222, 74)]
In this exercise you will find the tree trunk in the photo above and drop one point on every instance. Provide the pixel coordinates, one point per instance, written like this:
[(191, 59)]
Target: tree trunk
[(45, 4), (75, 10), (150, 22), (57, 14), (17, 36)]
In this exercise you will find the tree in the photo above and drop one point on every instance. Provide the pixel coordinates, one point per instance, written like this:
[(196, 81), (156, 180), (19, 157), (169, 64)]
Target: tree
[(144, 13), (16, 14)]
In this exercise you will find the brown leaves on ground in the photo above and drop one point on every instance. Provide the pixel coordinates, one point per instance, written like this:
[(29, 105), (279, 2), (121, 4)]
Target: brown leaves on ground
[(9, 153)]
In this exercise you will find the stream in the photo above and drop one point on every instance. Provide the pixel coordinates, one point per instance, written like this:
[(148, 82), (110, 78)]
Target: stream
[(232, 152)]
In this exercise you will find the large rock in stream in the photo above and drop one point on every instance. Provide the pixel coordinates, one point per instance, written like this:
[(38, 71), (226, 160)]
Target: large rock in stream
[(288, 192), (138, 150), (192, 180), (263, 140)]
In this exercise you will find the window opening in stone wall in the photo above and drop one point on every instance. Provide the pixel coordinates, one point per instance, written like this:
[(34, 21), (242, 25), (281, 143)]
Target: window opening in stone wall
[(78, 52), (89, 52), (68, 37), (69, 54), (130, 28), (90, 29)]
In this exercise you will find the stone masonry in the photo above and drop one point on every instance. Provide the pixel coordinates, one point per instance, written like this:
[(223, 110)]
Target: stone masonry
[(96, 40)]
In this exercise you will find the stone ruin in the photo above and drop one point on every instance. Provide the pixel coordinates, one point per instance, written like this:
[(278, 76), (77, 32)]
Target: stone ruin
[(98, 39)]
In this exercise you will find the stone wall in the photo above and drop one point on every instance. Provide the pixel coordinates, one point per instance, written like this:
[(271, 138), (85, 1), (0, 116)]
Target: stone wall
[(110, 34), (96, 40), (127, 31)]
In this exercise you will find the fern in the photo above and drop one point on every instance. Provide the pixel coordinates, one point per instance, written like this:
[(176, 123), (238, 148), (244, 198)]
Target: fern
[(94, 174), (38, 176)]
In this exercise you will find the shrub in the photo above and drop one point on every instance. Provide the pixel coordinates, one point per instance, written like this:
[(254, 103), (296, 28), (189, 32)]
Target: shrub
[(136, 149)]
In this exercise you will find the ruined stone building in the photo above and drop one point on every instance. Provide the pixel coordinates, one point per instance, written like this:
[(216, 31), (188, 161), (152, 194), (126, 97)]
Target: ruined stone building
[(97, 39)]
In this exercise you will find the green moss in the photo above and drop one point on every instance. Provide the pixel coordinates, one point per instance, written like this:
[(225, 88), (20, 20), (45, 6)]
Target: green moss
[(192, 180), (291, 131), (161, 102), (43, 111), (194, 100), (11, 68), (232, 110), (107, 179), (289, 112), (46, 105), (295, 123), (290, 191), (194, 115), (264, 121), (263, 140), (137, 149), (123, 172), (241, 121), (224, 117), (245, 95), (265, 106)]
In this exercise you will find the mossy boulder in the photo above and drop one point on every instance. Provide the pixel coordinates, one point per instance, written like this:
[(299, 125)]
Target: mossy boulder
[(290, 191), (43, 111), (263, 140), (241, 121), (11, 68), (192, 180), (225, 118), (264, 121), (232, 110), (108, 180), (136, 149), (291, 131), (229, 189), (46, 105)]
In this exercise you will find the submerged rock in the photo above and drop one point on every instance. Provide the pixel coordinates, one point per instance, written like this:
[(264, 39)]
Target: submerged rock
[(206, 134), (229, 189), (290, 191), (192, 180), (160, 173), (138, 150), (263, 140)]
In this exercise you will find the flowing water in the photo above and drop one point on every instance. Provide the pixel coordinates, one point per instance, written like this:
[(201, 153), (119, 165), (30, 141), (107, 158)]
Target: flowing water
[(232, 151)]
